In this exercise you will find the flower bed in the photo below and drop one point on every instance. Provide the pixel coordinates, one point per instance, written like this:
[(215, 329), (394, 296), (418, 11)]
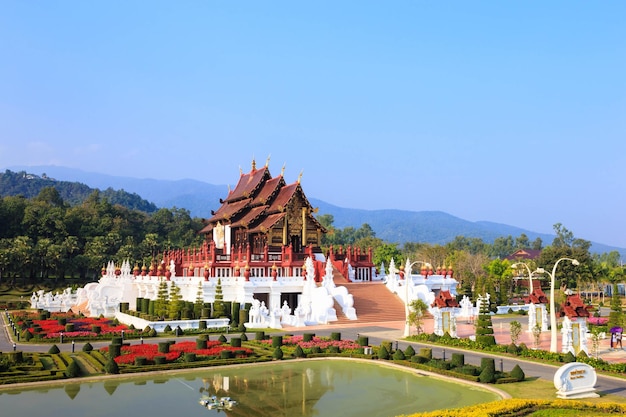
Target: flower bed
[(150, 350), (321, 342), (83, 327), (598, 321)]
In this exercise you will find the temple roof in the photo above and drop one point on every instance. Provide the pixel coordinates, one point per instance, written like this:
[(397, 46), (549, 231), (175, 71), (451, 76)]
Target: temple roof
[(227, 211), (248, 184), (270, 187), (537, 297), (524, 254), (268, 222), (445, 299), (575, 307), (250, 217)]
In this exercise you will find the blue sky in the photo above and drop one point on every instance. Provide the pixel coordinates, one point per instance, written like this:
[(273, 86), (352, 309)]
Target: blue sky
[(512, 112)]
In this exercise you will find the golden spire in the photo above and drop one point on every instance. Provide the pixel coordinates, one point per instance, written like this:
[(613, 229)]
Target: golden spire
[(300, 177), (267, 161), (253, 164), (240, 170), (282, 171)]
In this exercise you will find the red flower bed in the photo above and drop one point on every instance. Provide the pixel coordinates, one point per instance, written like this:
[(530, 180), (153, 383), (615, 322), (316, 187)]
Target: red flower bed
[(51, 329), (323, 343), (149, 351)]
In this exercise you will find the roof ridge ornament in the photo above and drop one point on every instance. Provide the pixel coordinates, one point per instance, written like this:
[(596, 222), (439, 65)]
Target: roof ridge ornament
[(300, 176), (282, 171), (267, 161), (253, 164)]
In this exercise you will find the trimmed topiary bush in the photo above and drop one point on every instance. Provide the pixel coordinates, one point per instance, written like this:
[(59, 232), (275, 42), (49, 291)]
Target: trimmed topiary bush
[(159, 360), (517, 373), (69, 327), (54, 349), (201, 343), (335, 336), (363, 341), (191, 356), (398, 355), (278, 353), (259, 335), (488, 372), (244, 337), (316, 349), (426, 353), (26, 335), (73, 370), (140, 361), (298, 352), (419, 359), (115, 350), (87, 347), (96, 329), (167, 328), (222, 339), (457, 360), (202, 325), (383, 353), (569, 357), (308, 337), (409, 352), (333, 349), (277, 341), (512, 349), (111, 367), (163, 347), (225, 354), (235, 342)]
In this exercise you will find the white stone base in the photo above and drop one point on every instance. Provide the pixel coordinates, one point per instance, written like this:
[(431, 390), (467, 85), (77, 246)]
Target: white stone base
[(576, 394)]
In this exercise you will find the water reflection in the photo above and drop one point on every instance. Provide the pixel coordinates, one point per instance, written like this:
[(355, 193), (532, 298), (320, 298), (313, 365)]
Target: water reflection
[(290, 388)]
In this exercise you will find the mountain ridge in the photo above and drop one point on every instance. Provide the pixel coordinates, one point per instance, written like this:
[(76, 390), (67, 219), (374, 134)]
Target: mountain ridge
[(393, 225)]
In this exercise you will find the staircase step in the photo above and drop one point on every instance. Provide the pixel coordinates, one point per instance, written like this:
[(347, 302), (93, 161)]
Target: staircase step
[(373, 303)]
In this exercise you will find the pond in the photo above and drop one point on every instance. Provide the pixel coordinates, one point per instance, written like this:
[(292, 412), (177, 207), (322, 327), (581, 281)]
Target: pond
[(290, 388)]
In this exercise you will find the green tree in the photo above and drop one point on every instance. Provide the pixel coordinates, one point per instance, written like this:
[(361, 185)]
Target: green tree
[(417, 311), (219, 308), (161, 304), (385, 252), (176, 301)]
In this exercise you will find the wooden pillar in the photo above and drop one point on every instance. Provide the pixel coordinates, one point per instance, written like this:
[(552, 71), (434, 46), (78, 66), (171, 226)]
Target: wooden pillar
[(304, 226)]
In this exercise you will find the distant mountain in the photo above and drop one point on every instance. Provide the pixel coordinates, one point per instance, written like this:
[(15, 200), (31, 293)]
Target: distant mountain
[(397, 226), (30, 185)]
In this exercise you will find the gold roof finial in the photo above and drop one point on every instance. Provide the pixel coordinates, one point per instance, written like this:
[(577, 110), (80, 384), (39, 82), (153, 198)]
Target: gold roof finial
[(253, 164), (282, 171), (267, 161), (240, 170), (300, 177)]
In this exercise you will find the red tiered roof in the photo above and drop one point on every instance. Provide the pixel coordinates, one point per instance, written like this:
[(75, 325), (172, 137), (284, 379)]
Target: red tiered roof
[(575, 307), (445, 299), (537, 297)]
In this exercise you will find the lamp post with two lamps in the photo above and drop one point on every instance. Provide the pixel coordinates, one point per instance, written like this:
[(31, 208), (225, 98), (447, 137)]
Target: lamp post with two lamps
[(407, 275), (552, 304), (530, 273)]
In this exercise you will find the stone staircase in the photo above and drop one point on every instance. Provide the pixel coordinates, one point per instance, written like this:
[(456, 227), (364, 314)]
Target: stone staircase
[(373, 302)]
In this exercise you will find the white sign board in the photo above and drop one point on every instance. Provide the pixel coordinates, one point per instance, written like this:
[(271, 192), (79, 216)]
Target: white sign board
[(575, 380)]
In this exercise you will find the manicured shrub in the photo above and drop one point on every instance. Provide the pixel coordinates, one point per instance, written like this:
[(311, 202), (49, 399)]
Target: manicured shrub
[(167, 328), (164, 347), (159, 360), (335, 336), (426, 353), (517, 373), (72, 370), (152, 333), (308, 337), (468, 370), (116, 340), (69, 327), (582, 356), (96, 329), (433, 337), (243, 337), (333, 349), (202, 325), (115, 351), (277, 341), (259, 335), (388, 345), (409, 352), (54, 349), (398, 355), (147, 329), (222, 339), (278, 353), (62, 321), (111, 367), (190, 357), (383, 353), (225, 354), (316, 349), (201, 343), (486, 340), (457, 360), (87, 347), (512, 349), (299, 353), (204, 336), (363, 341), (235, 342), (178, 331), (488, 370), (569, 357), (419, 359), (140, 361)]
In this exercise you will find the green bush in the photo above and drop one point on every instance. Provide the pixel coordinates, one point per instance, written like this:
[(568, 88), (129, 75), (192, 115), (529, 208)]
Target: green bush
[(222, 339), (277, 341), (298, 352), (225, 354), (457, 360), (335, 336), (569, 357), (398, 355), (383, 353), (317, 349), (244, 337), (426, 353), (468, 370), (69, 327), (517, 373), (191, 356), (582, 356), (111, 367), (204, 336), (278, 353), (486, 340), (488, 373), (140, 361), (96, 329), (167, 328), (202, 325), (259, 335), (433, 337), (73, 370), (512, 349), (26, 335), (163, 347), (419, 359), (115, 351), (235, 342), (409, 352), (308, 337), (87, 347), (388, 345), (201, 343), (54, 349), (159, 360), (363, 341), (333, 349)]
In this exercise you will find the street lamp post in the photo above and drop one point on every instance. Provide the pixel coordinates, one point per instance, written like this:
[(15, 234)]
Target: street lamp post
[(530, 274), (552, 304), (407, 274)]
